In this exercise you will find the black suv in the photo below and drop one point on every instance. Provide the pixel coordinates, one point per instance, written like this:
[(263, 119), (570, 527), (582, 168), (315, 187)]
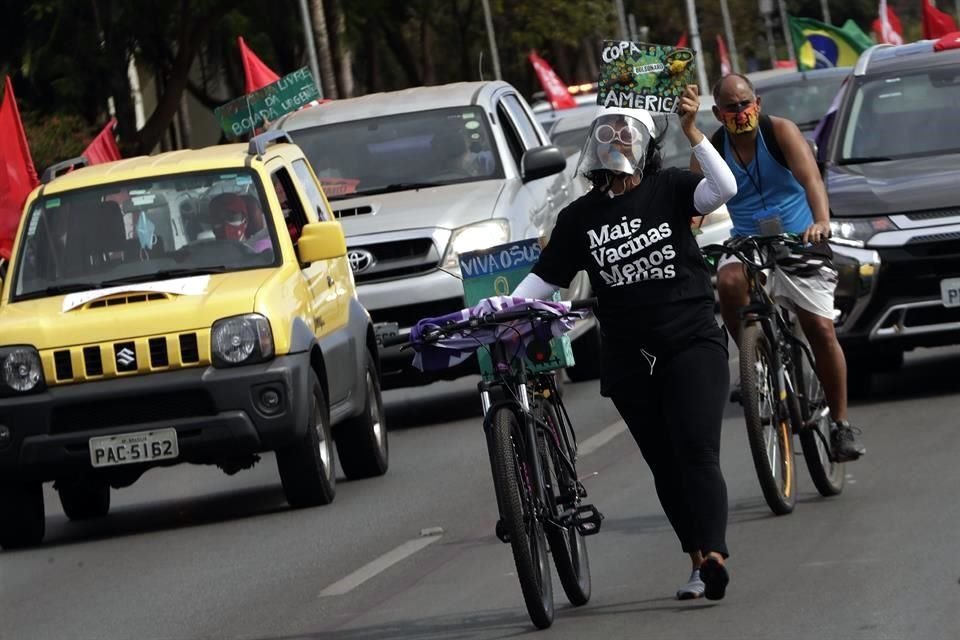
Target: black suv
[(891, 163)]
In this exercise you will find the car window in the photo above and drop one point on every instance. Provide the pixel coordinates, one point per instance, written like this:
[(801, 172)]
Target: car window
[(317, 203), (879, 121), (674, 146), (294, 215), (803, 102), (401, 151), (510, 132), (524, 125), (137, 231)]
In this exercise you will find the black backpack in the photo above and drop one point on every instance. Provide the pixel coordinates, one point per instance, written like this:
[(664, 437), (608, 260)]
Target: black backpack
[(769, 137)]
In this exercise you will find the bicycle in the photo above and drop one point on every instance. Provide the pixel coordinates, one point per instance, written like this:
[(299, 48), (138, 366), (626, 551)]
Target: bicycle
[(780, 391), (531, 444)]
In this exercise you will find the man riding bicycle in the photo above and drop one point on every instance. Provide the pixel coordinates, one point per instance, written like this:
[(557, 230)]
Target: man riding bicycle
[(779, 190)]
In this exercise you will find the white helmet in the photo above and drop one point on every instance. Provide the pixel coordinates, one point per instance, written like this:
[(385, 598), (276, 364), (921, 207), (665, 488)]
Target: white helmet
[(617, 141)]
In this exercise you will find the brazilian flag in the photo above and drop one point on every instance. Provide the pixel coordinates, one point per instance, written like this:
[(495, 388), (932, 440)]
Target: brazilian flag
[(820, 45)]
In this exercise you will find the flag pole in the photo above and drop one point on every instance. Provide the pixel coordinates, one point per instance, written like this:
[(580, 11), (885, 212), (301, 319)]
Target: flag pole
[(731, 41), (697, 46), (825, 10), (786, 31), (311, 46), (493, 40)]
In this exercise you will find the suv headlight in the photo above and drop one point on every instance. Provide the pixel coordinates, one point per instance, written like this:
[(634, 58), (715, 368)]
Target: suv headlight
[(858, 231), (474, 237), (237, 340), (21, 369)]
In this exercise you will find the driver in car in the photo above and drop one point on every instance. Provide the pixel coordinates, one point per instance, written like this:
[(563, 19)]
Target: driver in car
[(232, 217)]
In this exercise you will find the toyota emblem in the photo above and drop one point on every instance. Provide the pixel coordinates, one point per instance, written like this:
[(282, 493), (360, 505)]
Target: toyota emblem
[(360, 260)]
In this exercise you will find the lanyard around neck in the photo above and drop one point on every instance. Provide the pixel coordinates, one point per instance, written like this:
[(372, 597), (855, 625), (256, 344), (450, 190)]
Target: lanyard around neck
[(758, 183)]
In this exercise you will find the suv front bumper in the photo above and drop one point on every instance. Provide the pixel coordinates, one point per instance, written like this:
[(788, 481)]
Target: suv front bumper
[(218, 414), (889, 297)]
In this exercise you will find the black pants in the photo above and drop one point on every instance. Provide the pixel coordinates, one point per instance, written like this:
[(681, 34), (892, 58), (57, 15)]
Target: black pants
[(674, 415)]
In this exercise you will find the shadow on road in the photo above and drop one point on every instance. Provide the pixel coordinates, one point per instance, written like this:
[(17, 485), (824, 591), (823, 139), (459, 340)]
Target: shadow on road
[(925, 374), (497, 624), (436, 404), (189, 511)]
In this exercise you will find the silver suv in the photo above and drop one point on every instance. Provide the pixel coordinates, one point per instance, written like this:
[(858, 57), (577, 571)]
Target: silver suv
[(421, 175)]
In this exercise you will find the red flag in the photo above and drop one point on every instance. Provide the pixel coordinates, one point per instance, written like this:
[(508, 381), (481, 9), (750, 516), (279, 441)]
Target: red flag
[(258, 75), (936, 23), (17, 175), (887, 26), (556, 91), (725, 67), (682, 42), (949, 41), (104, 146)]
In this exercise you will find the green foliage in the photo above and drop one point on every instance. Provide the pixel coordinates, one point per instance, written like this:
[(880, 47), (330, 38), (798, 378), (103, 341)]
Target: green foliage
[(55, 138)]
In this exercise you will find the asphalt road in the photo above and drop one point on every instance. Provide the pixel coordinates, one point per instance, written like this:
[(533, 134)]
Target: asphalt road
[(188, 552)]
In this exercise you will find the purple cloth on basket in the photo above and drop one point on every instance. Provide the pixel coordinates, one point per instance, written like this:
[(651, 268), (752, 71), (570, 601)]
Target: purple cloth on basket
[(453, 350)]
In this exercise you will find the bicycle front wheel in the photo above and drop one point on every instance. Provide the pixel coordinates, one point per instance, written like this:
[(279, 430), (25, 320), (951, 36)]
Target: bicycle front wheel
[(567, 544), (768, 423), (516, 497), (828, 475)]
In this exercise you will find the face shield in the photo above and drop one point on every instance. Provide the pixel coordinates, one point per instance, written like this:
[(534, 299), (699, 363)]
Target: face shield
[(617, 142)]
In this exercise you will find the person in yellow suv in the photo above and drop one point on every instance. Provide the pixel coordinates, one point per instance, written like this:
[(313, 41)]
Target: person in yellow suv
[(158, 310)]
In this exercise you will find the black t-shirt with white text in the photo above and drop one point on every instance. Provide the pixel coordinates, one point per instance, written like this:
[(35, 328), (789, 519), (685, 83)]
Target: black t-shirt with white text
[(651, 281)]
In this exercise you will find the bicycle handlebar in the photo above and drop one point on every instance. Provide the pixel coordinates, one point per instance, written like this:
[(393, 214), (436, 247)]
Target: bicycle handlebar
[(488, 319), (739, 247)]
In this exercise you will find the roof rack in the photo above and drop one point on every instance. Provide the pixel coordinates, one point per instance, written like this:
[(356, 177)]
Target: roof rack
[(258, 143), (864, 60), (57, 170)]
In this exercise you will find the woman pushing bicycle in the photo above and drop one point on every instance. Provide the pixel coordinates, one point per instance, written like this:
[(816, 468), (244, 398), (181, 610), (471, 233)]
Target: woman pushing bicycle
[(664, 355)]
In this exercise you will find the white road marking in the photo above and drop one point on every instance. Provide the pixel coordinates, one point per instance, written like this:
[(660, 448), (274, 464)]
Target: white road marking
[(597, 440), (432, 534), (381, 564)]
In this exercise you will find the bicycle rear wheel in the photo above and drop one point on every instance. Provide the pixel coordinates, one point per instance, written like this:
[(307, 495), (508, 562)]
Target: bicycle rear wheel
[(567, 544), (516, 498), (768, 422), (828, 475)]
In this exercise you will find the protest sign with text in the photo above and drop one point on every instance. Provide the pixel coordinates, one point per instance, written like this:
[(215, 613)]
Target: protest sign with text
[(254, 110), (635, 75)]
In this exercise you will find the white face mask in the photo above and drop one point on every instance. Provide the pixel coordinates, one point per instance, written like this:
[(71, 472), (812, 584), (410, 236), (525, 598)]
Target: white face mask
[(617, 142)]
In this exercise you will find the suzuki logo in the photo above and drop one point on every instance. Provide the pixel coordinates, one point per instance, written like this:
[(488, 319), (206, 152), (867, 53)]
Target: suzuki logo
[(126, 357), (360, 260)]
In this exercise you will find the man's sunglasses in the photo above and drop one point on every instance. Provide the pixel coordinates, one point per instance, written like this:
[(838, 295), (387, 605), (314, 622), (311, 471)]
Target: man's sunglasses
[(736, 107), (605, 134)]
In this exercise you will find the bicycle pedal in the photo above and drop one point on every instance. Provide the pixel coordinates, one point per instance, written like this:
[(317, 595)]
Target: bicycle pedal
[(588, 519), (581, 490), (502, 533)]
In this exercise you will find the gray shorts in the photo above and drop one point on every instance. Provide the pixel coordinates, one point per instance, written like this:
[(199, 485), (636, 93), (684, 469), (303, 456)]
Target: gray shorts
[(812, 293)]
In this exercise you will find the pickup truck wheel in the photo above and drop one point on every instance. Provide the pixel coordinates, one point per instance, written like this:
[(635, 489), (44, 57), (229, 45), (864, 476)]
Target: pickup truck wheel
[(307, 467), (362, 440), (22, 519), (83, 498), (586, 354)]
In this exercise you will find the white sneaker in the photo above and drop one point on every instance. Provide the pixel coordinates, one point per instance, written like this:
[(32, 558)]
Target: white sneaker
[(693, 589)]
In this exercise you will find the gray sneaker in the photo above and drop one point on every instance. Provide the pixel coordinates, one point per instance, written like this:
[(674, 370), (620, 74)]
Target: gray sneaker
[(693, 589), (843, 440)]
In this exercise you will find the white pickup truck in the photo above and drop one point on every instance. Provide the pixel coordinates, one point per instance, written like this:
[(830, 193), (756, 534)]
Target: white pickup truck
[(421, 175)]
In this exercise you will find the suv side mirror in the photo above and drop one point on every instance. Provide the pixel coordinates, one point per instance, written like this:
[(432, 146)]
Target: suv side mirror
[(321, 241), (542, 162)]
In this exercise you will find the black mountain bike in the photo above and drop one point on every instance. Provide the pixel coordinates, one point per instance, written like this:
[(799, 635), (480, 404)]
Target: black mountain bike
[(533, 455), (780, 391)]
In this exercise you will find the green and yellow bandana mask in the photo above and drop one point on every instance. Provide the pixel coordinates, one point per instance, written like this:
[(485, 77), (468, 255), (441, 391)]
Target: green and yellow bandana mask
[(744, 120)]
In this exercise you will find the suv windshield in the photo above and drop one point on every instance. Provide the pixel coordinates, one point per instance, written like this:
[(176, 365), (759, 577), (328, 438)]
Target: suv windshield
[(878, 125), (803, 102), (129, 232), (398, 152)]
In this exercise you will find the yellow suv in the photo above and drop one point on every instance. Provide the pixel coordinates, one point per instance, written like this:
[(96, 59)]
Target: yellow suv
[(194, 306)]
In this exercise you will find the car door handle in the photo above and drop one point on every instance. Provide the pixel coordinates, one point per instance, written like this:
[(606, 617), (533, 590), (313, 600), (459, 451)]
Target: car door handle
[(330, 281)]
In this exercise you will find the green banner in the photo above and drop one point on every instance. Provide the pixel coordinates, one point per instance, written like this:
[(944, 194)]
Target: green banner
[(635, 75), (254, 110)]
